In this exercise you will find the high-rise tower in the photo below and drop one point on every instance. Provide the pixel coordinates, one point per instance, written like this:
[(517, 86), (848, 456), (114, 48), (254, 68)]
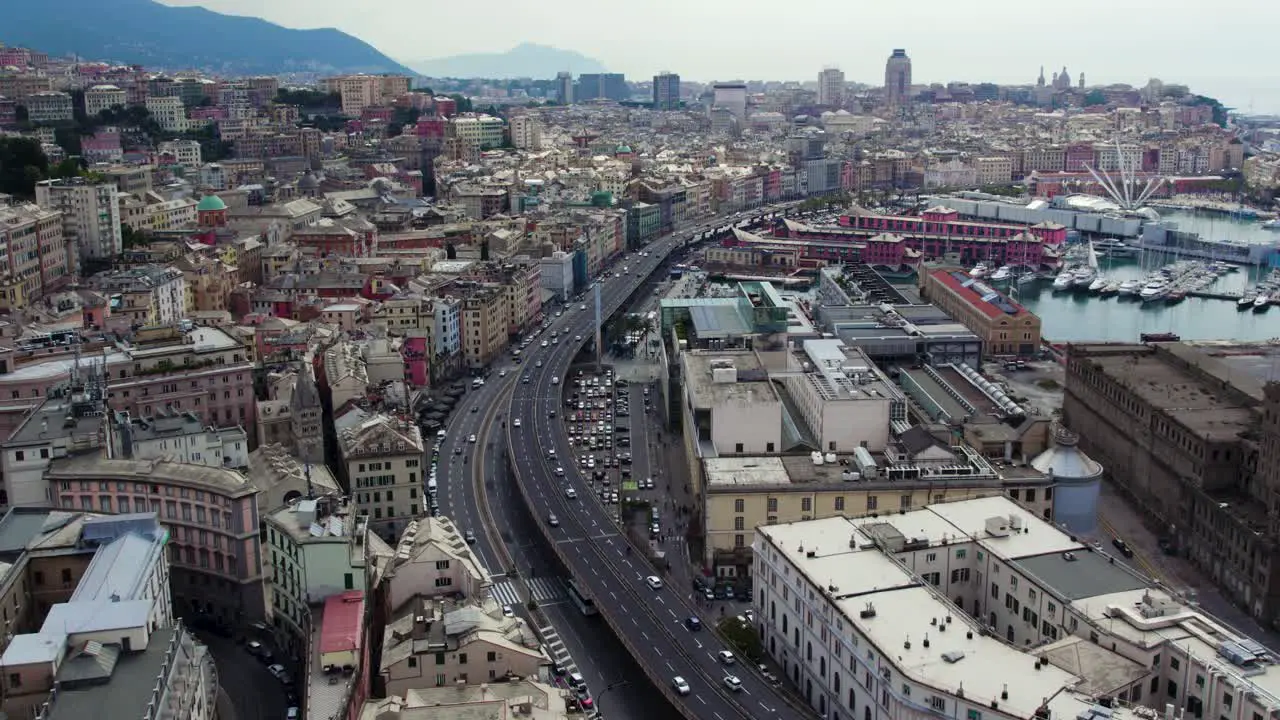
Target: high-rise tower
[(831, 87), (897, 78), (564, 88), (666, 91)]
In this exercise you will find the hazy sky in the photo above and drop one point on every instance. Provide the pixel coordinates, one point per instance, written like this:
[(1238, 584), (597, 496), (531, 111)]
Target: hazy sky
[(1217, 49)]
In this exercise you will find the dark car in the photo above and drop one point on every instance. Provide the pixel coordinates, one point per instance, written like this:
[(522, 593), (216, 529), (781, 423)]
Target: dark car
[(1123, 547), (693, 623)]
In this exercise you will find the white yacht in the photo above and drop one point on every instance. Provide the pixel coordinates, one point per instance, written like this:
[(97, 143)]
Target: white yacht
[(1098, 283), (1262, 302), (1246, 300), (1129, 287), (1154, 290), (1004, 272), (1083, 277), (979, 270), (1063, 281)]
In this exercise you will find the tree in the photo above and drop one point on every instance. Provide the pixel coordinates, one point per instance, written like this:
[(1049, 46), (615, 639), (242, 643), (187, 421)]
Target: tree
[(310, 99), (68, 168), (132, 238), (463, 102), (22, 165), (1095, 97), (1219, 112), (742, 637)]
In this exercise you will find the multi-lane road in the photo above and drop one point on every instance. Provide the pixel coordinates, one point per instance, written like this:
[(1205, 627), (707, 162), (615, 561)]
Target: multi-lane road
[(651, 623)]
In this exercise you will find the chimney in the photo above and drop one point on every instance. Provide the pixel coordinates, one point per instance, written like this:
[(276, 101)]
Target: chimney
[(420, 627)]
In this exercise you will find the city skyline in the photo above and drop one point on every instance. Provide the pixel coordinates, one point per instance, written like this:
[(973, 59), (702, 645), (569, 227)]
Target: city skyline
[(1070, 38)]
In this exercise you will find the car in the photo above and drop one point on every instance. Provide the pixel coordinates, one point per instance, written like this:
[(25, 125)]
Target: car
[(524, 380), (278, 671), (259, 651), (570, 493), (515, 422), (457, 450), (680, 684), (471, 438), (577, 682), (582, 307), (508, 611), (585, 701), (475, 408), (545, 343), (577, 338), (726, 658), (551, 452), (551, 413), (470, 537), (557, 669), (654, 582), (733, 683), (709, 595), (1123, 547), (693, 623), (555, 380), (559, 472), (538, 364), (553, 521), (292, 713)]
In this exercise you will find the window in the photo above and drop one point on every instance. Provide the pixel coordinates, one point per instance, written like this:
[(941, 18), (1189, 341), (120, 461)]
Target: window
[(444, 582), (840, 504), (960, 553), (462, 658), (871, 502), (492, 656), (15, 680), (442, 564), (739, 523), (806, 504), (348, 581), (739, 505), (931, 558), (737, 448), (772, 504), (413, 661)]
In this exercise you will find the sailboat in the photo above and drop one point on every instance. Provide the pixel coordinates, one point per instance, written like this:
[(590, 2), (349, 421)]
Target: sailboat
[(1098, 280)]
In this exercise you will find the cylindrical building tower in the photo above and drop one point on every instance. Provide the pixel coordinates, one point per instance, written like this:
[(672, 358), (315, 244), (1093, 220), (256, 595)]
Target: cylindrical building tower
[(1077, 481)]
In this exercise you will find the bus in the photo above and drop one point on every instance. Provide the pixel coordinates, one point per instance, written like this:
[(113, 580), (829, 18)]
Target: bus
[(580, 598)]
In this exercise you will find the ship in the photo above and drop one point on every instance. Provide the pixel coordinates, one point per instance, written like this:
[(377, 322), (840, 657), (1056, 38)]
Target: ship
[(1261, 303), (1154, 290), (979, 270), (1175, 296), (1004, 272), (1273, 224), (1160, 337)]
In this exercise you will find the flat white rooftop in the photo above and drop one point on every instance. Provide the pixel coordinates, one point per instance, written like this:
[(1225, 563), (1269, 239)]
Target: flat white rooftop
[(970, 517)]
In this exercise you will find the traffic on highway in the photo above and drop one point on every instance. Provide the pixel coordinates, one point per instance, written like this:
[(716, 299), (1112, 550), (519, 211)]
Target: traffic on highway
[(693, 667)]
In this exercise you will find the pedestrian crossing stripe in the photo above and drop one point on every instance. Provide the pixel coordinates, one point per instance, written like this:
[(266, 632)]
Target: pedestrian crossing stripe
[(542, 590)]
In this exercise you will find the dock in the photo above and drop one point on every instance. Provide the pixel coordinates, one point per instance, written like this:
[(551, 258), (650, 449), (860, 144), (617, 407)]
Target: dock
[(1233, 297)]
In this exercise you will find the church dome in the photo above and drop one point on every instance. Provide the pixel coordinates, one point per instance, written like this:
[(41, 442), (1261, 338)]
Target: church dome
[(211, 203)]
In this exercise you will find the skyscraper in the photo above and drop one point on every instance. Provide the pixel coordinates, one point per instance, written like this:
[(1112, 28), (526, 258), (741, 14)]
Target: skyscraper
[(598, 86), (831, 87), (897, 78), (564, 88), (666, 91)]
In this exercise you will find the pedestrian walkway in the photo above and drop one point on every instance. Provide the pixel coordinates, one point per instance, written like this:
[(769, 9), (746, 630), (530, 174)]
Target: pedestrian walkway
[(544, 590), (557, 650)]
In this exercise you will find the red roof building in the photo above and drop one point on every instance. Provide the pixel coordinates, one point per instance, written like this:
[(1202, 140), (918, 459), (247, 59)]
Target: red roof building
[(1007, 329), (342, 629)]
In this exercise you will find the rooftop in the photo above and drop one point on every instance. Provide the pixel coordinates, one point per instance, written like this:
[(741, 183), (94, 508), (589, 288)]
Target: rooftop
[(978, 294), (749, 383), (218, 480)]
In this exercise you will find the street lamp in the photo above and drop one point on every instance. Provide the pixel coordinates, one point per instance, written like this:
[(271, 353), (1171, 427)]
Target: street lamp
[(610, 686)]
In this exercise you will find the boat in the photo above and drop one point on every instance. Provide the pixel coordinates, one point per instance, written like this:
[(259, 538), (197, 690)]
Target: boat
[(1111, 288), (1273, 224), (1027, 278), (1114, 248), (1246, 301), (1175, 296), (1083, 277), (979, 270), (1160, 337), (1063, 281), (1154, 290), (1098, 284), (1130, 287), (1004, 272), (1262, 302)]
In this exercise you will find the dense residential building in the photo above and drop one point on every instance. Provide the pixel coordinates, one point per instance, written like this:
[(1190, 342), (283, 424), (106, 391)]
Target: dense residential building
[(526, 132), (36, 255), (601, 86), (90, 217), (181, 437), (382, 457), (49, 106), (362, 91), (149, 295), (103, 97)]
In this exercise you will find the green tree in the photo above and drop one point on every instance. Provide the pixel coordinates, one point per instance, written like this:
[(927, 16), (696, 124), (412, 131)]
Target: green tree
[(742, 637), (1095, 97), (132, 238), (309, 99), (1219, 111), (68, 168), (22, 165), (464, 103)]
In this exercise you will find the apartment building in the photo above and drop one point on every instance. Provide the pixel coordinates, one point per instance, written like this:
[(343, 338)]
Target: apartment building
[(180, 437), (880, 617), (666, 91), (534, 700), (90, 217), (481, 131), (384, 458), (210, 281), (149, 211), (995, 170), (112, 641), (361, 91), (1006, 328), (526, 132), (315, 549), (432, 558), (521, 283), (103, 97), (170, 114), (34, 262), (19, 87), (1190, 436), (439, 642), (156, 295), (484, 325), (49, 106), (186, 152)]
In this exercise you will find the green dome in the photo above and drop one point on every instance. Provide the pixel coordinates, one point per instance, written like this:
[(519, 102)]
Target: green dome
[(211, 203), (623, 150)]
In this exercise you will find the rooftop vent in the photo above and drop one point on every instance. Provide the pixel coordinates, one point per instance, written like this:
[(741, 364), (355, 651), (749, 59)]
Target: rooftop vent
[(953, 656), (868, 612)]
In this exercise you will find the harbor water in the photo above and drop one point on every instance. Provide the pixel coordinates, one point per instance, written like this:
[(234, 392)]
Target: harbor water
[(1077, 316)]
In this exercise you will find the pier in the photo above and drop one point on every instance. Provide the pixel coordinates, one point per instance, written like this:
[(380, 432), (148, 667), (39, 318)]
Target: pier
[(1233, 297)]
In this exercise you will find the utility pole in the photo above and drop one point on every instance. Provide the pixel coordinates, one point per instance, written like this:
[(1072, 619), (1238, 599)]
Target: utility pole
[(599, 331)]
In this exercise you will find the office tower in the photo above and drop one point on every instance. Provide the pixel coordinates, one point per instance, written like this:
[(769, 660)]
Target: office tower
[(601, 86), (831, 87), (731, 96), (666, 91), (897, 78), (564, 88)]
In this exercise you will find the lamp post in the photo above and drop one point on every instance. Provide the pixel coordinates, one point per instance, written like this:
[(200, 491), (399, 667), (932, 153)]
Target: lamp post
[(610, 686)]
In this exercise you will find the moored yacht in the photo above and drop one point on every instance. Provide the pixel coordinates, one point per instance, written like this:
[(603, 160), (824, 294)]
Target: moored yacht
[(1262, 302), (1246, 301), (1098, 283), (1154, 290), (1083, 277), (1004, 272), (1063, 281), (1130, 287), (1110, 288)]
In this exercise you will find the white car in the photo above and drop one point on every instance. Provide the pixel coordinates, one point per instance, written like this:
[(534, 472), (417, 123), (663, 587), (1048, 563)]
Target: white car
[(507, 611), (553, 521), (680, 684), (733, 683), (555, 380), (471, 438), (502, 373), (727, 658), (571, 493), (654, 582), (545, 343), (577, 338), (515, 423), (582, 307), (559, 472)]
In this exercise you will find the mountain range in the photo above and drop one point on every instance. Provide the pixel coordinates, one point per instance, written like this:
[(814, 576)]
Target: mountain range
[(163, 37), (527, 60)]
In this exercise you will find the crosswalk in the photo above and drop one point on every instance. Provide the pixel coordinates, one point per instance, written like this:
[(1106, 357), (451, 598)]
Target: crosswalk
[(544, 590), (557, 650)]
